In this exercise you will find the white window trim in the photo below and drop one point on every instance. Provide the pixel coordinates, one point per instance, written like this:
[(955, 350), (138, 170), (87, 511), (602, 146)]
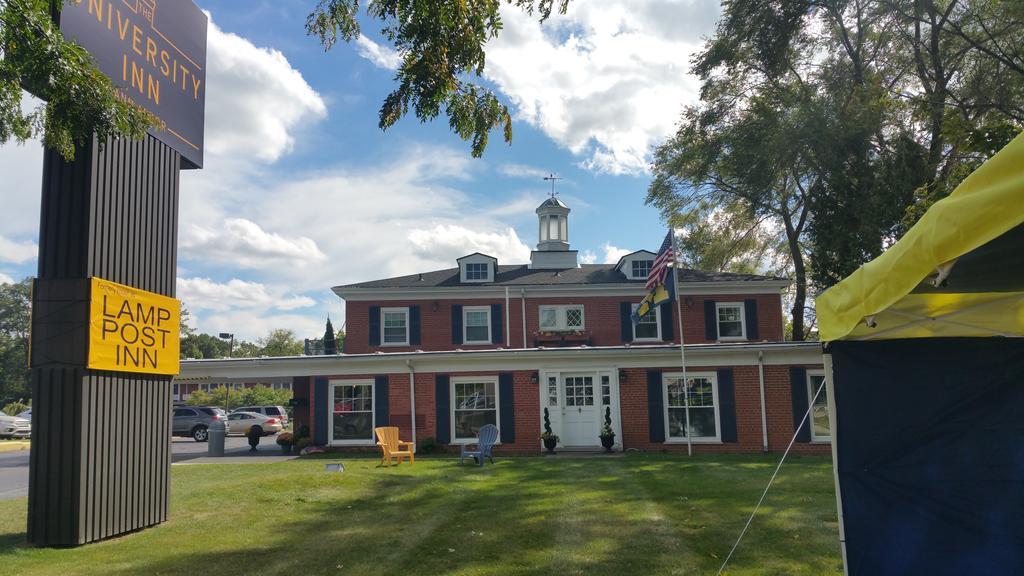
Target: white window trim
[(451, 408), (465, 326), (642, 276), (810, 399), (561, 315), (403, 310), (665, 377), (330, 413), (743, 320), (657, 314)]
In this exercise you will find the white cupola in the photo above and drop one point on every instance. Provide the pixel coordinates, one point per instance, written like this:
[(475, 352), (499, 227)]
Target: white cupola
[(553, 237)]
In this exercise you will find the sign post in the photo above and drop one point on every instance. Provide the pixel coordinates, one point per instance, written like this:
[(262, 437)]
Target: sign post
[(105, 324)]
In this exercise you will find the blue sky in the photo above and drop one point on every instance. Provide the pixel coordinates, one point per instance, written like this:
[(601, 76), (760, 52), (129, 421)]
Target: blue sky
[(301, 191)]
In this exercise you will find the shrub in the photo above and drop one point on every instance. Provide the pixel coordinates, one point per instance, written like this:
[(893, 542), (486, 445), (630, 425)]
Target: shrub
[(302, 432), (303, 442), (429, 445), (285, 439), (15, 408)]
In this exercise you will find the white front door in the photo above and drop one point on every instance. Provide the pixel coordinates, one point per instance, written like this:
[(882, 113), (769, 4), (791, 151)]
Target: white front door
[(580, 408)]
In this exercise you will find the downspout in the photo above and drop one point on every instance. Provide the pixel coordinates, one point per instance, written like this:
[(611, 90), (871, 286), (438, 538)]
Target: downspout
[(830, 391), (522, 296), (764, 414), (508, 323), (412, 401)]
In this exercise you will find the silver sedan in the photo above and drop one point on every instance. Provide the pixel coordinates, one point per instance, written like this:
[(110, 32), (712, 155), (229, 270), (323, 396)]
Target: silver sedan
[(239, 423)]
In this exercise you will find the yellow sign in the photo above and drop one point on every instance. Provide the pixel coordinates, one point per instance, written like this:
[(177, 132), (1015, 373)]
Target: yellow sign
[(131, 330)]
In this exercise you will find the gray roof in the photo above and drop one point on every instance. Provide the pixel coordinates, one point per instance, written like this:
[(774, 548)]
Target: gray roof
[(523, 275), (553, 201)]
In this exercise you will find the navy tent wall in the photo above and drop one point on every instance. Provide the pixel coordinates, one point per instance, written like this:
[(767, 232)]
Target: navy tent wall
[(930, 446)]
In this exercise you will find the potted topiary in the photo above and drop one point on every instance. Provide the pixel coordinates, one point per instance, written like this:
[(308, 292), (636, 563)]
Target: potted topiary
[(254, 433), (607, 435), (285, 440), (549, 437)]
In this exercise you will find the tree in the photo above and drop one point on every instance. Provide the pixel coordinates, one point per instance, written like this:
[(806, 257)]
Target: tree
[(15, 314), (843, 121), (200, 346), (330, 339), (280, 342), (80, 100), (442, 48)]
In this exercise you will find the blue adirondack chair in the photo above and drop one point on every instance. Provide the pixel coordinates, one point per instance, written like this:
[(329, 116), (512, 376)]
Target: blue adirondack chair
[(484, 446)]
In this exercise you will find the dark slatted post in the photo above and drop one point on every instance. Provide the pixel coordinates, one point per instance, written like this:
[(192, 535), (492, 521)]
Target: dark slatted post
[(100, 460)]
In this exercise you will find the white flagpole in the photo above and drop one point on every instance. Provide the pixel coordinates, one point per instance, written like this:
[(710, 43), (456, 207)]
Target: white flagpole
[(682, 341)]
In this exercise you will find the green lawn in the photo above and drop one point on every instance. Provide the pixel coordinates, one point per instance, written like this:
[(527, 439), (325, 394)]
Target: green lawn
[(639, 514)]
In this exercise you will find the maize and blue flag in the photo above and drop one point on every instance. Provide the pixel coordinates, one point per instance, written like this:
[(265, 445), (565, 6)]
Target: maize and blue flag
[(661, 284)]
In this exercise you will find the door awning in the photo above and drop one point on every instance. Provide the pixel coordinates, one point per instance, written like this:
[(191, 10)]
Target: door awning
[(958, 272)]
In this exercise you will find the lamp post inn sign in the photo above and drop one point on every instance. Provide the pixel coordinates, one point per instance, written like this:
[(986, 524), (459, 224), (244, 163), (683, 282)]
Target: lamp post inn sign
[(105, 323)]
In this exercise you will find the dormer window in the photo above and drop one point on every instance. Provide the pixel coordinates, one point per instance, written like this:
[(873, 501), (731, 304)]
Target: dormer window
[(642, 269), (477, 268), (478, 271)]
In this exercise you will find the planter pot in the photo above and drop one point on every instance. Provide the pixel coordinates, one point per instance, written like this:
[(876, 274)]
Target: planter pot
[(549, 444), (608, 442)]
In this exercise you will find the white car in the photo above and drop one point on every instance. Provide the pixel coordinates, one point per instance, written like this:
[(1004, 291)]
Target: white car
[(239, 423), (27, 414), (14, 427)]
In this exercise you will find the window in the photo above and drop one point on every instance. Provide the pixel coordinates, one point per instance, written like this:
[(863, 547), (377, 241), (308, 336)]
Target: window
[(475, 405), (282, 385), (606, 390), (352, 412), (821, 430), (701, 392), (478, 271), (476, 325), (552, 391), (561, 318), (642, 268), (579, 391), (649, 327), (395, 326), (184, 412), (730, 322)]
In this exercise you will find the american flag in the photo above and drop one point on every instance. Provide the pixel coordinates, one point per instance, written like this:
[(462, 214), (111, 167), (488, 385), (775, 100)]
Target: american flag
[(660, 266)]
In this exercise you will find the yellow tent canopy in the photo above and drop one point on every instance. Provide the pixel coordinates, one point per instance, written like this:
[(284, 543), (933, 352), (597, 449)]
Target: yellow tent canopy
[(958, 272)]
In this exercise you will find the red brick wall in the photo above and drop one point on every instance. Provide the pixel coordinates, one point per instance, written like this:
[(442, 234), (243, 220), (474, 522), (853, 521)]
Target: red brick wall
[(635, 423), (601, 317)]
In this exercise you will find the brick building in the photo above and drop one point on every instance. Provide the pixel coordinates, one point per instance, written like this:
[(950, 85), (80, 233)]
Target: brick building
[(441, 353)]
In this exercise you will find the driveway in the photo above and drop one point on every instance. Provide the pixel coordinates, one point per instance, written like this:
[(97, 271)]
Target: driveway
[(14, 465)]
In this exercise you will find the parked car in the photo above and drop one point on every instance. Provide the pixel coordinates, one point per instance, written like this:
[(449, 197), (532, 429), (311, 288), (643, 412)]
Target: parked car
[(270, 411), (27, 414), (14, 427), (194, 421), (240, 422)]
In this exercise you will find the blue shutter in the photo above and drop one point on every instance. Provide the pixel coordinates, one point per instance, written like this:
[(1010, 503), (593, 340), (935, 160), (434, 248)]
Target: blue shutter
[(374, 325), (710, 320), (381, 410), (496, 325), (442, 402), (626, 321), (727, 405), (655, 406), (750, 317), (414, 325), (456, 323), (321, 421), (667, 323), (507, 415), (798, 392)]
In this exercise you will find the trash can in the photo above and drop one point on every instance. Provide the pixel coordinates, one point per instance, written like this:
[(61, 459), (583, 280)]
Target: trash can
[(215, 444)]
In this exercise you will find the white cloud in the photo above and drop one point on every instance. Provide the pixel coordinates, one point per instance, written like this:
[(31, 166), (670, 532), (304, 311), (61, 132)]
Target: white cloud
[(513, 170), (444, 243), (381, 56), (17, 252), (206, 294), (245, 244), (255, 99), (608, 79), (5, 279), (588, 257), (613, 253)]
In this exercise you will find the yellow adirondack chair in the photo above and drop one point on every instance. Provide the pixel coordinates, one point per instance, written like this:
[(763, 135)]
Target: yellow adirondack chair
[(391, 446)]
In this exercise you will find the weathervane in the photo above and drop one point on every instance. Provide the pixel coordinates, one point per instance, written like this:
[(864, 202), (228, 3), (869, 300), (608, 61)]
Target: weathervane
[(552, 178)]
